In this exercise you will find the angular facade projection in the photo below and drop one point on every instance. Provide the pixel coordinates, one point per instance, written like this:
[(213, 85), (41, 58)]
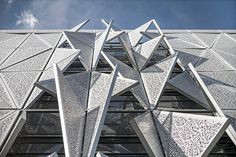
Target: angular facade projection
[(112, 92)]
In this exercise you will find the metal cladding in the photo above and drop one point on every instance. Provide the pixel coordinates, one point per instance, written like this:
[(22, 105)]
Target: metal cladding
[(199, 65)]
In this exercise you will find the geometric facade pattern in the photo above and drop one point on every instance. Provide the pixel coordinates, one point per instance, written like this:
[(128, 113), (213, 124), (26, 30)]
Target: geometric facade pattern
[(87, 72)]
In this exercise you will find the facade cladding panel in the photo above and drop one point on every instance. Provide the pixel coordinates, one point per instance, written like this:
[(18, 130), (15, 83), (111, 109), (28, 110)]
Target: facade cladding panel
[(114, 92)]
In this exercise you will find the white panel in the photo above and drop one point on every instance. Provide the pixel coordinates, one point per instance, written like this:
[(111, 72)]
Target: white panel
[(6, 123), (146, 130), (208, 38), (34, 63), (128, 72), (13, 43), (230, 131), (135, 35), (20, 84), (178, 42), (21, 55), (72, 115), (34, 96), (189, 55), (4, 53), (62, 56), (228, 57), (146, 51), (99, 44), (74, 29), (121, 85), (225, 43), (232, 35), (78, 38), (231, 114), (85, 42), (188, 134), (5, 98), (125, 42), (8, 36), (114, 34), (185, 84), (51, 38), (155, 77), (187, 37), (99, 96), (151, 35), (78, 82), (222, 86), (16, 128), (210, 61), (34, 42)]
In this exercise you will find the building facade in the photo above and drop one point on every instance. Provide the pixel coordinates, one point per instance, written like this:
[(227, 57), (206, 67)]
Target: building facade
[(114, 92)]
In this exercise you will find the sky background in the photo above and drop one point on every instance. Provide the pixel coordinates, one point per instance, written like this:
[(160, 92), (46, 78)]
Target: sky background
[(127, 14)]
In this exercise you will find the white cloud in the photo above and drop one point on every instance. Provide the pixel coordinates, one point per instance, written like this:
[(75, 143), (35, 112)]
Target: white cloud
[(9, 3), (27, 20)]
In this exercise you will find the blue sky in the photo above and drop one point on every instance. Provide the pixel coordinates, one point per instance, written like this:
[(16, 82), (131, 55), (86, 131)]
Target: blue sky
[(174, 14)]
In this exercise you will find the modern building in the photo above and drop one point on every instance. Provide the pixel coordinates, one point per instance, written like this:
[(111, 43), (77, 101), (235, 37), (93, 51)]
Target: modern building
[(113, 92)]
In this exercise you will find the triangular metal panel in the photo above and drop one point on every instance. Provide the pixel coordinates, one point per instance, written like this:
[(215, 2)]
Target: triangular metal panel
[(51, 38), (74, 29), (99, 96), (13, 43), (8, 36), (146, 51), (184, 84), (128, 72), (214, 105), (208, 38), (64, 59), (228, 57), (34, 42), (145, 128), (72, 115), (222, 86), (5, 98), (85, 43), (187, 56), (232, 35), (62, 56), (99, 44), (188, 134), (114, 34), (78, 82), (155, 77), (150, 35), (210, 61), (21, 55), (135, 35), (78, 38), (125, 42), (4, 53), (16, 128), (178, 43), (33, 63), (20, 84), (187, 37), (225, 43), (6, 123)]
